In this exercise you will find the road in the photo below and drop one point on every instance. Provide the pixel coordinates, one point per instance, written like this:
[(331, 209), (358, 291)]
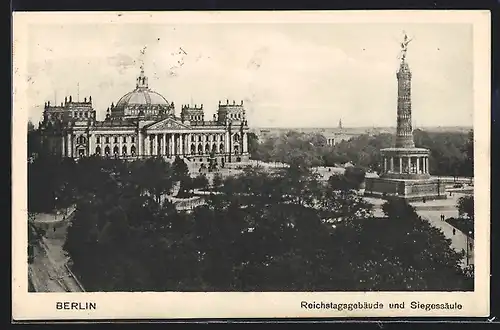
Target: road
[(49, 271), (49, 275)]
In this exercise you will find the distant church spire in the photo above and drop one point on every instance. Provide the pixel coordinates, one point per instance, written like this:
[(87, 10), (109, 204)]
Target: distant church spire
[(142, 80), (340, 123)]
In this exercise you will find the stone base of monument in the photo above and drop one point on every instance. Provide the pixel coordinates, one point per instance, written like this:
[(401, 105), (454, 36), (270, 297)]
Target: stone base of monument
[(410, 189)]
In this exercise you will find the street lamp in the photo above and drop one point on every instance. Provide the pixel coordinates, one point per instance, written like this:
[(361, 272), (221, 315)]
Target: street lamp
[(55, 206)]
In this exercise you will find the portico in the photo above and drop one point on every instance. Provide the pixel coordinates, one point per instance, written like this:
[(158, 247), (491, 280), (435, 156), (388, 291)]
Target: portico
[(405, 163)]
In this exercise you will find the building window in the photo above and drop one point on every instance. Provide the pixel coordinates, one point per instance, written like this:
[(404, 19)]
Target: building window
[(98, 139), (86, 114), (81, 139), (124, 150), (199, 138), (124, 139), (115, 140), (132, 150), (133, 139), (116, 150), (98, 151), (106, 150), (107, 139)]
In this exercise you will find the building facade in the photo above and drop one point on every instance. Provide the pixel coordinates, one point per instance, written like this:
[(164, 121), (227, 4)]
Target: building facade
[(144, 124)]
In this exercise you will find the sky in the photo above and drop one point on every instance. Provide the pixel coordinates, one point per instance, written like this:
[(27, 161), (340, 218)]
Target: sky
[(287, 74)]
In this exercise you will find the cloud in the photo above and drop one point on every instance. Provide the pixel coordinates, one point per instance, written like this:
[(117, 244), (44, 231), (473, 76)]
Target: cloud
[(121, 61)]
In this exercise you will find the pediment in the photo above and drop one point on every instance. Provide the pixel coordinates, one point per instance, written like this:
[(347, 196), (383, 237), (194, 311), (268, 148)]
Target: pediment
[(166, 124)]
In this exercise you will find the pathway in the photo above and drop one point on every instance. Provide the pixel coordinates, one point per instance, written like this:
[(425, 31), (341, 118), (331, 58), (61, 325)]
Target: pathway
[(431, 211), (49, 271)]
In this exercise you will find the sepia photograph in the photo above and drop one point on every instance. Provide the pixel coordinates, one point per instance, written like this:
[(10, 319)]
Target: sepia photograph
[(302, 157)]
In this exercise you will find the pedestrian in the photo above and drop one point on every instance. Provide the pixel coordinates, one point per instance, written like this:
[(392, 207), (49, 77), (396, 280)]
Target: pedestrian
[(454, 231)]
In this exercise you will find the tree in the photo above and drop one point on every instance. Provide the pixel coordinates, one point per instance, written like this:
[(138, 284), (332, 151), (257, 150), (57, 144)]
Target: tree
[(180, 169), (200, 182), (278, 231), (355, 175), (468, 167), (217, 180), (155, 176), (253, 145), (426, 249), (465, 205), (449, 155), (35, 234)]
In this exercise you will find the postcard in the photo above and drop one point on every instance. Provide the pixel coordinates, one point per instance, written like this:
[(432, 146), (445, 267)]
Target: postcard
[(185, 165)]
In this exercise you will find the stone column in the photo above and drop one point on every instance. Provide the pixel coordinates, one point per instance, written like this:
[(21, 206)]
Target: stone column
[(68, 145), (409, 164), (385, 164), (176, 144), (149, 151), (392, 164), (164, 144), (426, 164), (160, 144), (245, 142), (418, 165), (120, 142), (181, 144), (138, 150), (400, 164), (171, 144), (227, 142), (63, 146), (153, 140)]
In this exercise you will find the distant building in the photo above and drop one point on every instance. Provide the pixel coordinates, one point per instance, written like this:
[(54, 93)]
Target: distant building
[(144, 124), (337, 137)]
